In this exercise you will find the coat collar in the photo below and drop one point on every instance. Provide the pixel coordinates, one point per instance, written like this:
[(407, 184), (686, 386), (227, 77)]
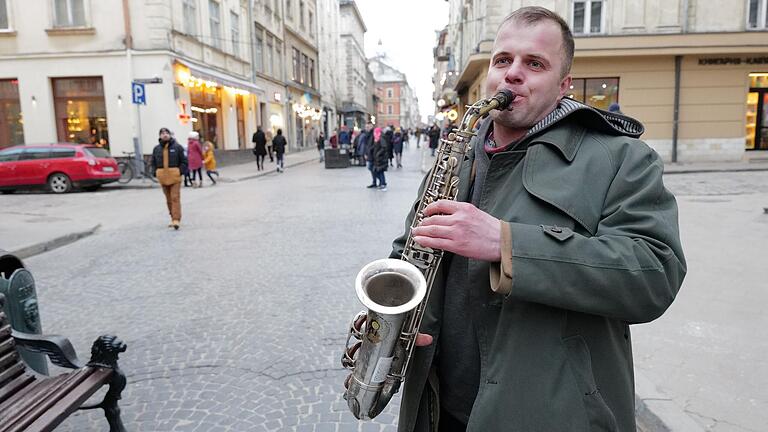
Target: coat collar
[(575, 119)]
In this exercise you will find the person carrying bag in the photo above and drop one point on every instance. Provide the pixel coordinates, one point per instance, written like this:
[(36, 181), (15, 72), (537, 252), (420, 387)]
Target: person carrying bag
[(168, 162)]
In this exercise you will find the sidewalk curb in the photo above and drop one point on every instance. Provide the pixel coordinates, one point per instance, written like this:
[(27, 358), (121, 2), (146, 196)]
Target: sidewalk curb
[(657, 411), (49, 245), (263, 173), (716, 170)]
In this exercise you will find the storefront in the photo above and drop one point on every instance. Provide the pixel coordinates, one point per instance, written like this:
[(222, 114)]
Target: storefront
[(11, 123), (757, 112), (307, 120), (80, 110), (206, 113)]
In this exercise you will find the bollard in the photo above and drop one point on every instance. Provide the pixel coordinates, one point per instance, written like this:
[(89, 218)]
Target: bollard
[(18, 286)]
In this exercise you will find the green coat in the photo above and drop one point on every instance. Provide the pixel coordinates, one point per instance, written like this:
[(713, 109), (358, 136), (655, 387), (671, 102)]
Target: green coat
[(589, 247)]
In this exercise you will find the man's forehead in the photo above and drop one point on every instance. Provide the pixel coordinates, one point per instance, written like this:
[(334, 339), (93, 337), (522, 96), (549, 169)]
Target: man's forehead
[(538, 36)]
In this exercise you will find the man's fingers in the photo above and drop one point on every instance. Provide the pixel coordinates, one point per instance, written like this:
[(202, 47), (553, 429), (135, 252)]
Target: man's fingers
[(445, 220), (434, 243), (434, 231), (423, 339), (445, 207)]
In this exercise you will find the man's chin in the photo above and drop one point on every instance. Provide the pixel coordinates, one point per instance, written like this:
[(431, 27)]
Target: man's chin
[(510, 119)]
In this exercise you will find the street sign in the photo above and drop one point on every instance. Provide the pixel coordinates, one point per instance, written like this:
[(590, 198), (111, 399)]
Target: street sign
[(155, 80), (139, 97)]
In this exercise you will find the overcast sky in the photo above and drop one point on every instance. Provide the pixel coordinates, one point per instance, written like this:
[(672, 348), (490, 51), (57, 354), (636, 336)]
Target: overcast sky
[(406, 29)]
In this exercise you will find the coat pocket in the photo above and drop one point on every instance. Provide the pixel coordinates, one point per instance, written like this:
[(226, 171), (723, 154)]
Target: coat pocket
[(600, 416)]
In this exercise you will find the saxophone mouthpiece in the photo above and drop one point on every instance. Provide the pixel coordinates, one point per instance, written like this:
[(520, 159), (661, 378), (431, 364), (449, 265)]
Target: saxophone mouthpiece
[(503, 98)]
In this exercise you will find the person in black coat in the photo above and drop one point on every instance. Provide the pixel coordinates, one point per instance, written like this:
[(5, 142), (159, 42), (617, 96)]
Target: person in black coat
[(278, 145), (174, 153), (380, 156), (434, 138), (259, 141)]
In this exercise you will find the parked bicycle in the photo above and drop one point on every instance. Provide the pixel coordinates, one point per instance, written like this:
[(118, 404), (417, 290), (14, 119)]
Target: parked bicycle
[(128, 169)]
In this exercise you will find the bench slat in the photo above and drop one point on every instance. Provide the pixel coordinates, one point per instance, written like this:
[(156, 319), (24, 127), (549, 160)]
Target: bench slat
[(20, 414), (12, 372), (52, 416), (10, 389)]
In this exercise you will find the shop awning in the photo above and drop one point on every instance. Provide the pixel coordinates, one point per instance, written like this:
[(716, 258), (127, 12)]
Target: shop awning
[(221, 78)]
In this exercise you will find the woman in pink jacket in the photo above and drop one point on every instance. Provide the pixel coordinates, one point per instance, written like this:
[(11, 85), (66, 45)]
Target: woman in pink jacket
[(195, 158)]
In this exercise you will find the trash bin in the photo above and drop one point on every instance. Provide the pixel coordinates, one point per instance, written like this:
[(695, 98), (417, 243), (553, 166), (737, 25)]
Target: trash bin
[(335, 158), (18, 287)]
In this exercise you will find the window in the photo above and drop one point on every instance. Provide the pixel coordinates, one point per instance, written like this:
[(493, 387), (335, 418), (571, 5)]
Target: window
[(312, 73), (68, 13), (11, 126), (35, 153), (758, 14), (189, 9), (259, 60), (63, 152), (270, 51), (288, 10), (235, 23), (596, 92), (305, 69), (311, 20), (389, 109), (389, 92), (80, 110), (214, 18), (301, 14), (587, 16), (10, 155), (4, 20), (278, 60), (296, 66)]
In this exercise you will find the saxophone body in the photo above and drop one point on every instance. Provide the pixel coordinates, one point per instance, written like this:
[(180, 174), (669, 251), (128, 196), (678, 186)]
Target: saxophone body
[(381, 340)]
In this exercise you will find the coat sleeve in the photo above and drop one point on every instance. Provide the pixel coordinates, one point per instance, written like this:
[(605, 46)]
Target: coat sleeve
[(631, 269)]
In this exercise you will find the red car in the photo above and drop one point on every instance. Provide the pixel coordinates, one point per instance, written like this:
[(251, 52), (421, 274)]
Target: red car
[(60, 167)]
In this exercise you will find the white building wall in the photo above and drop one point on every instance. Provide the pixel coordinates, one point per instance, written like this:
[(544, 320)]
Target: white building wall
[(330, 51)]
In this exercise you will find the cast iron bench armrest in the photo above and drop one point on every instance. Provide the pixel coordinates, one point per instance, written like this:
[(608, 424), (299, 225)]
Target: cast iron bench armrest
[(58, 348)]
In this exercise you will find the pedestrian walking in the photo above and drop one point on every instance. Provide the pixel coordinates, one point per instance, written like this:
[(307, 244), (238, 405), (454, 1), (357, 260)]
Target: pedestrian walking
[(321, 146), (185, 172), (380, 152), (334, 141), (434, 138), (259, 148), (168, 162), (195, 159), (209, 161), (397, 147), (279, 144), (563, 236)]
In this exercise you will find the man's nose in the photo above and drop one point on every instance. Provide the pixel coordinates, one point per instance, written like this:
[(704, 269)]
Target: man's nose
[(514, 73)]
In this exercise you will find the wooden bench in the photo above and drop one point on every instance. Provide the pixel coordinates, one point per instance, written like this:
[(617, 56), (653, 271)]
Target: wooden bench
[(31, 402)]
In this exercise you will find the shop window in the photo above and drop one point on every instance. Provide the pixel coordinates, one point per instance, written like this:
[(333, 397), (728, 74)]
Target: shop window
[(757, 14), (596, 92), (11, 123), (235, 23), (214, 18), (81, 115), (5, 22), (206, 114), (189, 9), (68, 13), (587, 17)]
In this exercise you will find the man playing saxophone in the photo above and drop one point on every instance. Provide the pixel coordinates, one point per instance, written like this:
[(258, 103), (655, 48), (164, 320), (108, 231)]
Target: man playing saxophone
[(563, 235)]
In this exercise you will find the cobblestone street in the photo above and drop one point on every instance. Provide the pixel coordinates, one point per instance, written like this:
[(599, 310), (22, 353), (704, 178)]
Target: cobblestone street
[(237, 321)]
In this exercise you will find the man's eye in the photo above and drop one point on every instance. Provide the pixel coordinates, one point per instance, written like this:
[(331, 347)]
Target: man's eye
[(501, 60), (536, 64)]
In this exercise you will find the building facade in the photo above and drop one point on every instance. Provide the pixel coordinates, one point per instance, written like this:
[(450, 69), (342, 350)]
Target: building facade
[(353, 68), (396, 103), (694, 72), (268, 47), (328, 21), (300, 27), (67, 68)]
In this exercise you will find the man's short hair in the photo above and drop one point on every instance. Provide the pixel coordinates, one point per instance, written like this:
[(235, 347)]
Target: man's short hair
[(530, 15)]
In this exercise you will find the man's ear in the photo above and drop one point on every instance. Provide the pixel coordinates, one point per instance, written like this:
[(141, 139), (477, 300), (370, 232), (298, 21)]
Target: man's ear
[(565, 85)]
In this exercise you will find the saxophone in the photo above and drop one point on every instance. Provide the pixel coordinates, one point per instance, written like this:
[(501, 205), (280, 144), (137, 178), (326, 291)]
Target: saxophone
[(396, 291)]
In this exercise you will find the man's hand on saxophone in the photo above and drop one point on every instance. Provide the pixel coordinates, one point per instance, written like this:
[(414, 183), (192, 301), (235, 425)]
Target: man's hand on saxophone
[(460, 228)]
